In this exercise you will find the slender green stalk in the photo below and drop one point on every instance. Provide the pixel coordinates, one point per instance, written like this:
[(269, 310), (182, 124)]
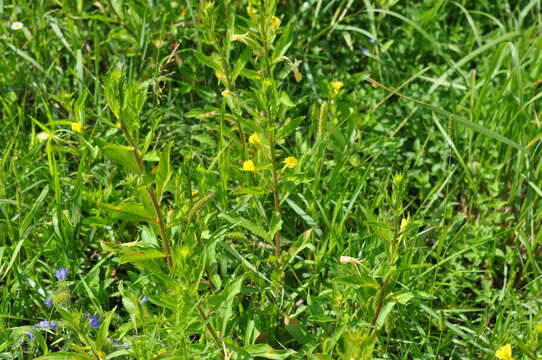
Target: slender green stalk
[(152, 195)]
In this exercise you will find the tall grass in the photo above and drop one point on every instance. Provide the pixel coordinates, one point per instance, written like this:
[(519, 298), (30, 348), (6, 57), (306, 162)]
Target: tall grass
[(269, 179)]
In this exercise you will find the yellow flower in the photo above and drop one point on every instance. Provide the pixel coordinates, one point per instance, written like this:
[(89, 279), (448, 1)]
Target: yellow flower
[(249, 166), (276, 22), (226, 93), (337, 85), (77, 127), (504, 352), (404, 223), (251, 11), (254, 139), (402, 228), (290, 162)]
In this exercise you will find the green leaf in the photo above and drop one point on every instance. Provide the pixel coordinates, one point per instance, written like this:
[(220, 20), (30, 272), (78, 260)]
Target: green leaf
[(129, 210), (306, 217), (276, 225), (267, 352), (240, 64), (124, 155), (103, 332), (206, 60), (131, 255), (249, 225), (164, 171), (386, 309), (285, 130), (284, 42), (113, 82), (64, 356)]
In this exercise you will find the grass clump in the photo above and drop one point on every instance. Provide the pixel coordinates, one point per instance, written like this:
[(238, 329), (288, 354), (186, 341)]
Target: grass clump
[(270, 179)]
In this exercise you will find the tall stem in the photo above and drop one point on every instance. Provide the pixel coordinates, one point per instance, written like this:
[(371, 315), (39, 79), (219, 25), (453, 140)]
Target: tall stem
[(276, 195), (152, 195), (381, 297)]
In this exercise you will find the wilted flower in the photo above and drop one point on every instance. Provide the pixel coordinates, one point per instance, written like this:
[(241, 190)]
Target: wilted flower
[(254, 139), (48, 302), (249, 166), (372, 41), (144, 299), (53, 325), (61, 274), (290, 162), (30, 335), (17, 25), (42, 136), (504, 352), (349, 260), (365, 51), (236, 37), (77, 127)]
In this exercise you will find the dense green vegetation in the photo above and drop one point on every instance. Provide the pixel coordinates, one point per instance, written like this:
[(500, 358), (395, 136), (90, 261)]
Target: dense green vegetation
[(248, 179)]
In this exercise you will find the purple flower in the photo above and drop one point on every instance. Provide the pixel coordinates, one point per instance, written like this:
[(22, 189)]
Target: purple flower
[(48, 302), (144, 299), (61, 274), (365, 51), (44, 324), (372, 41), (94, 321), (30, 335), (85, 315)]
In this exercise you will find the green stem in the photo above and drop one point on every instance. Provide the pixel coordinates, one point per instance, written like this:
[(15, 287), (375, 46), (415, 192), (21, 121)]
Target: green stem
[(276, 195), (381, 297), (152, 195)]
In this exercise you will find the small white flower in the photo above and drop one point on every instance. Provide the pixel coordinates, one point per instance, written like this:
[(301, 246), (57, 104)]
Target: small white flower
[(17, 25)]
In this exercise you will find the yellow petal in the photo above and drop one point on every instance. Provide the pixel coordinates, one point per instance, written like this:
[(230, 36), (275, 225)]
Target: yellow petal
[(337, 85), (254, 139), (504, 352), (249, 166), (77, 127), (290, 162)]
